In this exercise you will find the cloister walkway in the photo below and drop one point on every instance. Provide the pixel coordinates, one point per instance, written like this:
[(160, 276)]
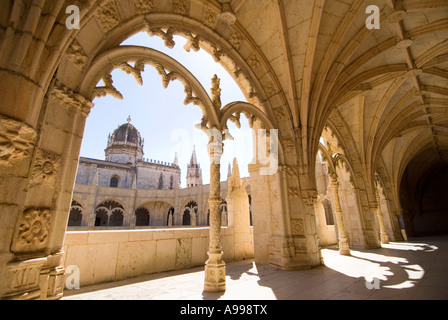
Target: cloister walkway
[(415, 269)]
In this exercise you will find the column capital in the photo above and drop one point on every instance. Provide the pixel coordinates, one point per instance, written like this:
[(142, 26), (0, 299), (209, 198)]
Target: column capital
[(70, 99)]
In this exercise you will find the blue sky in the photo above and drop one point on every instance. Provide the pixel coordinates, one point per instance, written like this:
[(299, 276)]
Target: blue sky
[(166, 124)]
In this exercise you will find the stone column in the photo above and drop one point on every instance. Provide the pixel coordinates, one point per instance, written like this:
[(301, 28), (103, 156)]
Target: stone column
[(343, 242), (383, 236), (33, 265), (215, 270)]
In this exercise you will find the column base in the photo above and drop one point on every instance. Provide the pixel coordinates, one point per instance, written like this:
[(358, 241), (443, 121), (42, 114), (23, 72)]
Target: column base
[(384, 238), (344, 249), (215, 274)]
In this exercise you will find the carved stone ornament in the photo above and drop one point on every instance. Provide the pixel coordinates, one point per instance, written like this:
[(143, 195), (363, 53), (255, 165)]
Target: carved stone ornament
[(33, 230), (76, 54), (135, 71), (144, 6), (24, 278), (253, 62), (167, 35), (235, 40), (209, 17), (16, 141), (68, 98), (293, 193), (297, 227), (107, 89), (167, 77), (216, 93), (288, 144), (46, 168), (107, 16), (180, 7)]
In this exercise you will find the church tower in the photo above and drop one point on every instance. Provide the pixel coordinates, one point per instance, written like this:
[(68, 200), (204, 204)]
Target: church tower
[(194, 171), (125, 145)]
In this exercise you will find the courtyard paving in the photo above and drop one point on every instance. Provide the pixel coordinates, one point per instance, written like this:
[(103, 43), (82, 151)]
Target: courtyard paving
[(411, 270)]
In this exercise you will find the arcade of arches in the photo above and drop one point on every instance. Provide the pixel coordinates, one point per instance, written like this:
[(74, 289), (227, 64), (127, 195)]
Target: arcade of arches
[(361, 116)]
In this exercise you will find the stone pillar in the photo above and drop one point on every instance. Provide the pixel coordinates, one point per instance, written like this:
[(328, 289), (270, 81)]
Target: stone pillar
[(43, 193), (383, 236), (343, 242), (215, 269), (238, 215)]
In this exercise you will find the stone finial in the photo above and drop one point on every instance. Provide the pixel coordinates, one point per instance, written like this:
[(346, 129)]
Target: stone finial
[(216, 92), (236, 178)]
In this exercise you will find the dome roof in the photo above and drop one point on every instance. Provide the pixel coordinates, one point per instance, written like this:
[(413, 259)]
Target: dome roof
[(126, 132), (125, 145)]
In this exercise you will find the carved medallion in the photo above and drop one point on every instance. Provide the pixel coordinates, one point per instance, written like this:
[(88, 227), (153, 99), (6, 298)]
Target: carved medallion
[(46, 168), (33, 230), (297, 227)]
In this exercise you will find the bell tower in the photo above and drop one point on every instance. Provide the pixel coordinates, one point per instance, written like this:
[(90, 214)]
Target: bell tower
[(194, 171)]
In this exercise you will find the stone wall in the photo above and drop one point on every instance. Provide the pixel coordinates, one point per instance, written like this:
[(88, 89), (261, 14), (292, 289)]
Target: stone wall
[(112, 255), (148, 174)]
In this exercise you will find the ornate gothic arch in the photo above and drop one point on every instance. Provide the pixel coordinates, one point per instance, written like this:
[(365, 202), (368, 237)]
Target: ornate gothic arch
[(265, 94)]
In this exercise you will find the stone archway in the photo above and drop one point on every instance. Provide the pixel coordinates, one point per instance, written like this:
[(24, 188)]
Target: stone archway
[(50, 136)]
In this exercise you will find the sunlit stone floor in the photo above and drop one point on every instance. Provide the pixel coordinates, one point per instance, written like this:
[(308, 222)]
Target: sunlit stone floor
[(416, 269)]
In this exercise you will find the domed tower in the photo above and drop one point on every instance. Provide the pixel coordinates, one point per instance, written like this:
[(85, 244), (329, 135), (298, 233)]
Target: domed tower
[(125, 145)]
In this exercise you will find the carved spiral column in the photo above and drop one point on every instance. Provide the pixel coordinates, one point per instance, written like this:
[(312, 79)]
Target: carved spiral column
[(343, 242), (383, 235), (215, 270)]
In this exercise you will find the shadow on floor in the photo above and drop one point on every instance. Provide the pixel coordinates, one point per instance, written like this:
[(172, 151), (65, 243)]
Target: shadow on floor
[(415, 269)]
